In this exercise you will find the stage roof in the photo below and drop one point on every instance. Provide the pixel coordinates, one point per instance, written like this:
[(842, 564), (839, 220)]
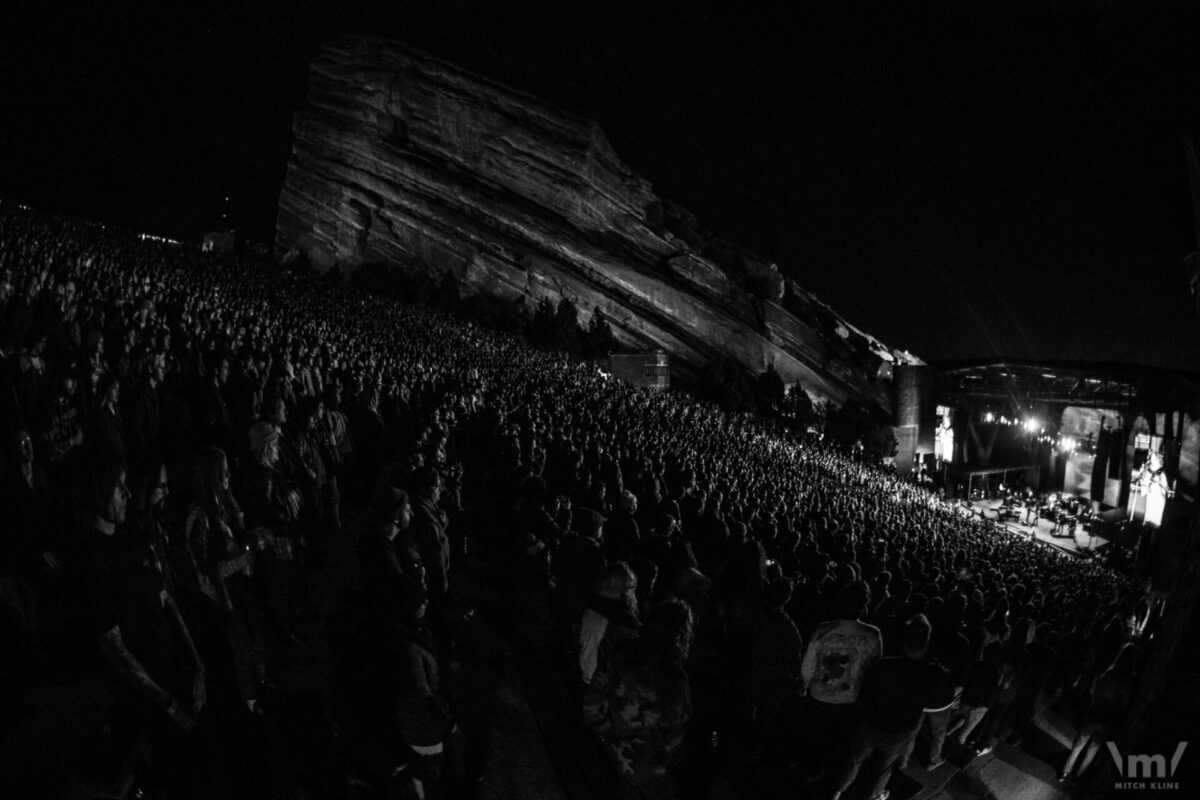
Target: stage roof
[(1107, 385)]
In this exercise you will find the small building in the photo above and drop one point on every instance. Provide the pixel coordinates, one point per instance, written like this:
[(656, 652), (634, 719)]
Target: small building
[(651, 370)]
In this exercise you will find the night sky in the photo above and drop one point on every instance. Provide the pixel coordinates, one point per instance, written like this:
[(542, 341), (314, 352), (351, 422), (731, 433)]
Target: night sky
[(959, 179)]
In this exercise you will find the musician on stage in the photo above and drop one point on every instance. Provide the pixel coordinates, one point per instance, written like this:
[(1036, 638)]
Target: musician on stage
[(1031, 507), (1151, 482), (1060, 516)]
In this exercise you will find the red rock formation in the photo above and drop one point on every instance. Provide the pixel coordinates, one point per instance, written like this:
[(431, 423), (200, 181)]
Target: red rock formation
[(404, 159)]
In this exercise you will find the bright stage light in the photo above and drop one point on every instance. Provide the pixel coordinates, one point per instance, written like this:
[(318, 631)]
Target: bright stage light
[(1068, 444), (989, 417), (1031, 424)]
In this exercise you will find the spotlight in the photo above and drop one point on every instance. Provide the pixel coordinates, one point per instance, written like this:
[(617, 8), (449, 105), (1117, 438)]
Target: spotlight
[(989, 417), (1031, 425)]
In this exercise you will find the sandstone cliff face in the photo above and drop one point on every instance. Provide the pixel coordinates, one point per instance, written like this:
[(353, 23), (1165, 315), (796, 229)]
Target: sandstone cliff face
[(401, 158)]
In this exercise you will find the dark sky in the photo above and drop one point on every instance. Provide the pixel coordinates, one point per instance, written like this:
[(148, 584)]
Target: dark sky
[(958, 179)]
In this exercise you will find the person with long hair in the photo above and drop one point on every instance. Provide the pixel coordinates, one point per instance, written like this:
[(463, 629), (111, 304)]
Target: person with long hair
[(215, 532), (149, 518), (107, 425)]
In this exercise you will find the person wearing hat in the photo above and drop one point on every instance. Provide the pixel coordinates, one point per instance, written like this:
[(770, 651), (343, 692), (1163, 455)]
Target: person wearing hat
[(895, 692), (386, 549)]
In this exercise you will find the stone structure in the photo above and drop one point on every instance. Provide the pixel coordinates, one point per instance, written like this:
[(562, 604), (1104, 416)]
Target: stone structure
[(400, 158)]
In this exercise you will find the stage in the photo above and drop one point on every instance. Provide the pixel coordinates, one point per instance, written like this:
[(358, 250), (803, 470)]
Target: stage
[(1078, 544)]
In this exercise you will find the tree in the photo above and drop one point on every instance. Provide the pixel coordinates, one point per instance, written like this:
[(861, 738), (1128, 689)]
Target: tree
[(566, 332), (799, 409), (541, 328), (769, 390), (448, 294), (727, 383), (599, 342), (854, 425)]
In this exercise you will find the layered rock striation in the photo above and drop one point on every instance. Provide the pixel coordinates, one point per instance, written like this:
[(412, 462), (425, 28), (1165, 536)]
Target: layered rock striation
[(402, 159)]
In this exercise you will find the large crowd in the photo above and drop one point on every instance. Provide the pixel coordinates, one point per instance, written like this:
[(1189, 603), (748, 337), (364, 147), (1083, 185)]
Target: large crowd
[(187, 436)]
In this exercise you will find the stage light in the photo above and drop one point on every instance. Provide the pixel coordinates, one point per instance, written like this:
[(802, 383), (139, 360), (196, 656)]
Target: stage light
[(1068, 444), (1031, 424), (989, 417)]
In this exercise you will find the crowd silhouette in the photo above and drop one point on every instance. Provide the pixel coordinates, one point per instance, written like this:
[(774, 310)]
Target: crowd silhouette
[(194, 443)]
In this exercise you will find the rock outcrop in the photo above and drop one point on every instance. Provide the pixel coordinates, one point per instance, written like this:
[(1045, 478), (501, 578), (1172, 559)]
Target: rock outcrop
[(403, 159)]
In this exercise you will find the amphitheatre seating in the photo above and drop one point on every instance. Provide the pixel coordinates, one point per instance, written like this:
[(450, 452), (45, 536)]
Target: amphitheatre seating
[(205, 346)]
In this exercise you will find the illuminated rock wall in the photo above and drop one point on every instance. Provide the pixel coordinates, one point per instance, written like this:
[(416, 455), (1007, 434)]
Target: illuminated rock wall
[(402, 159)]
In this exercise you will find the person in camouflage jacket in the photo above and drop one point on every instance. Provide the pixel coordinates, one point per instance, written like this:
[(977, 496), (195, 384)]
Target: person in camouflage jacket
[(639, 704)]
